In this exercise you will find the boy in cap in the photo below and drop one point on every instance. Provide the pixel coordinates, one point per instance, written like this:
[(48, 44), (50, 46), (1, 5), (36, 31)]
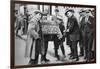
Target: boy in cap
[(59, 42)]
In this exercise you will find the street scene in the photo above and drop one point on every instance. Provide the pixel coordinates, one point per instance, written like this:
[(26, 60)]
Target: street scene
[(48, 34)]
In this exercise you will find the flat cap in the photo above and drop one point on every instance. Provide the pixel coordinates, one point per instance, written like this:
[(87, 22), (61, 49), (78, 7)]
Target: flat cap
[(82, 10), (37, 11), (59, 17), (69, 10)]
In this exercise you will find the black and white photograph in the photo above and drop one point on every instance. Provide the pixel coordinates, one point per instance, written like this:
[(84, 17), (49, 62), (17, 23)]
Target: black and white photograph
[(47, 34)]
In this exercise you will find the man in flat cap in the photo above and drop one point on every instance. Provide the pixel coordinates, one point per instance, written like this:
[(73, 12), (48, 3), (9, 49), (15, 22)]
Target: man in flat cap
[(73, 30), (33, 38), (87, 31), (61, 41), (81, 45)]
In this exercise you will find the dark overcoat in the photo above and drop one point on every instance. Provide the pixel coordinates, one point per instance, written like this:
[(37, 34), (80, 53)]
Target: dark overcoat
[(73, 27)]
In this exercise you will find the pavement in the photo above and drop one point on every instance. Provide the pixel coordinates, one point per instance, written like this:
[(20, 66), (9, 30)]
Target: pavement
[(20, 44)]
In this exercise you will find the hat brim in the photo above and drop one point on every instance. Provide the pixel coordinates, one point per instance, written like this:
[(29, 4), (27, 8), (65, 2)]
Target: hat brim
[(37, 11), (59, 17), (72, 11), (81, 11)]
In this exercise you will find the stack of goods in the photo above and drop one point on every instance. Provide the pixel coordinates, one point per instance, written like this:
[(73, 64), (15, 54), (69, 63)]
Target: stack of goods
[(50, 27)]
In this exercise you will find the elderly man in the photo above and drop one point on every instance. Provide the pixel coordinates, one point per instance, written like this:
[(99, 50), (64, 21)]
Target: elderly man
[(33, 38), (73, 29)]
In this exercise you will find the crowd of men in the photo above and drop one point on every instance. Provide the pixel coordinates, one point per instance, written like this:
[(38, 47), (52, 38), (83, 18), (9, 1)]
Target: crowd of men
[(37, 42)]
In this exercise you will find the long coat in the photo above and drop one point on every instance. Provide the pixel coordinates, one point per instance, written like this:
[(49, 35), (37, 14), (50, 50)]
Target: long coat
[(32, 35), (87, 32), (87, 26), (73, 27)]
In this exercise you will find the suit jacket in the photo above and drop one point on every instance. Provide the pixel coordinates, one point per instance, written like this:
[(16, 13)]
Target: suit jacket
[(87, 27), (73, 27)]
